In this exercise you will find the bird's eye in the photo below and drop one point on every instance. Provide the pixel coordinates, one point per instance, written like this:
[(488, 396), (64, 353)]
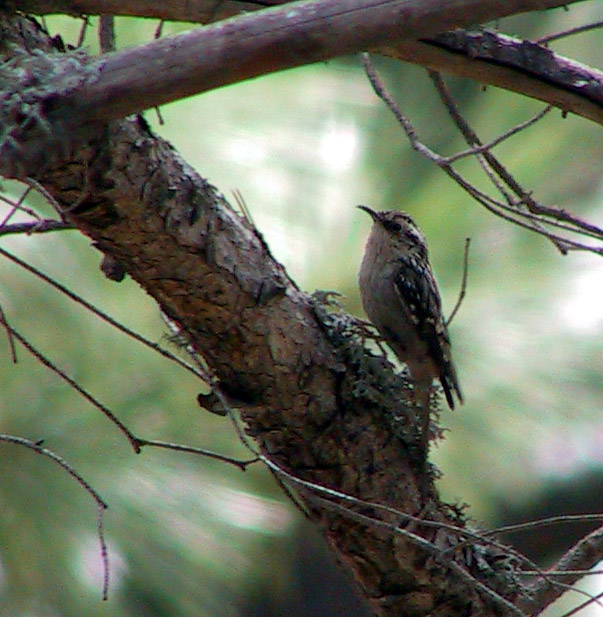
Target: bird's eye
[(393, 226)]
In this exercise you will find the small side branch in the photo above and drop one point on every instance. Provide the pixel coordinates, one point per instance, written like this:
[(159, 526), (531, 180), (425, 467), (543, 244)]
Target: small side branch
[(101, 314), (37, 447), (521, 210), (71, 382), (584, 555), (463, 290), (38, 227), (167, 445)]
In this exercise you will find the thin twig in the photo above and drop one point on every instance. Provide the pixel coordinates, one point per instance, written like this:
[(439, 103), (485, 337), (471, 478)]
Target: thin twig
[(584, 605), (82, 34), (584, 554), (158, 34), (564, 573), (10, 337), (14, 206), (484, 148), (37, 447), (576, 224), (73, 384), (243, 206), (545, 522), (568, 32), (107, 318), (492, 167), (532, 222), (48, 196), (167, 445), (136, 442), (17, 206), (396, 529), (463, 282), (103, 549), (37, 227)]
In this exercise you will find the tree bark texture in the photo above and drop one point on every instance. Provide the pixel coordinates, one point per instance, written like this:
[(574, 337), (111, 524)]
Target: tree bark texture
[(316, 403)]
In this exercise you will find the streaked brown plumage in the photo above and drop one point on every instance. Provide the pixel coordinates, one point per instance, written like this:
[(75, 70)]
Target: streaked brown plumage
[(401, 298)]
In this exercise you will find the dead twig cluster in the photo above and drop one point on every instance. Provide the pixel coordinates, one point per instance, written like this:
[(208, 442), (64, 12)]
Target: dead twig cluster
[(513, 203)]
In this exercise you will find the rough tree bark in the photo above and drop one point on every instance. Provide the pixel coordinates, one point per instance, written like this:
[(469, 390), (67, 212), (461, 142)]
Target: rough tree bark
[(316, 403)]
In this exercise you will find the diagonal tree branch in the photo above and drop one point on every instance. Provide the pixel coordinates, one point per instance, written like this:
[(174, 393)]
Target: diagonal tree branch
[(488, 57), (63, 97), (210, 10), (519, 66), (584, 555)]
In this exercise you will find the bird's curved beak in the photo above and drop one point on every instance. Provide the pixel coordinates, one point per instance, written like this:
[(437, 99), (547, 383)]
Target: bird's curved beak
[(370, 212)]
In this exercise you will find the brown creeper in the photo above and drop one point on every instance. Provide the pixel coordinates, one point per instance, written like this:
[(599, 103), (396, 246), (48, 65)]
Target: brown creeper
[(401, 298)]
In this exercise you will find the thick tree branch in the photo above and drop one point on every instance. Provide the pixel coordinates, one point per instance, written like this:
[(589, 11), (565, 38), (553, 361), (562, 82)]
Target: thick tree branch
[(208, 10), (515, 65), (316, 405), (201, 11), (63, 97), (487, 57)]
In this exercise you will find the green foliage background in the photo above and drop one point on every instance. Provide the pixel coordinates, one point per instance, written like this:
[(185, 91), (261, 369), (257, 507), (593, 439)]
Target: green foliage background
[(191, 536)]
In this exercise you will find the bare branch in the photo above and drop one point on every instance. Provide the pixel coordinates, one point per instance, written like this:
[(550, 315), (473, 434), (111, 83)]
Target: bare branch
[(102, 315), (569, 32), (125, 82), (582, 606), (485, 148), (37, 447), (561, 84), (493, 168), (17, 206), (585, 554), (532, 67), (463, 283), (38, 227), (202, 11), (82, 34), (515, 211), (487, 57), (72, 383), (167, 445), (11, 338), (574, 223), (199, 11), (106, 33), (551, 520)]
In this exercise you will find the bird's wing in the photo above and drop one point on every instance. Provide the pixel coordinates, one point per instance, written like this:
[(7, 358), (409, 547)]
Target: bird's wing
[(416, 286)]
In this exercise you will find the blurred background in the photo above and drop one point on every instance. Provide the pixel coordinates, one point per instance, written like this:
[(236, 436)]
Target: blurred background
[(190, 536)]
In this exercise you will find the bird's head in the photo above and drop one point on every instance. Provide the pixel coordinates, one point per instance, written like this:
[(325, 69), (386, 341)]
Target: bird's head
[(401, 231)]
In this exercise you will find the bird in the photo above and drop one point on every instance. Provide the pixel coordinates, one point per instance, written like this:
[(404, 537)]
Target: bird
[(401, 298)]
